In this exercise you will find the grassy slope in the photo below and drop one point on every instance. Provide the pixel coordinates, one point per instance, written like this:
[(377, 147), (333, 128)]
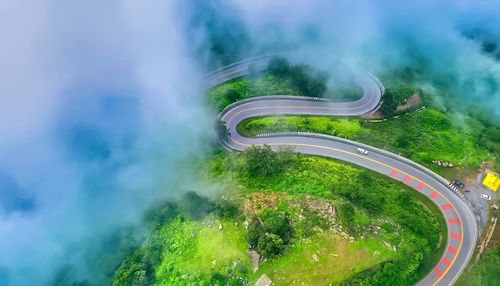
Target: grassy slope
[(197, 252), (330, 179), (198, 249), (338, 259), (486, 272), (266, 84), (422, 136), (246, 88)]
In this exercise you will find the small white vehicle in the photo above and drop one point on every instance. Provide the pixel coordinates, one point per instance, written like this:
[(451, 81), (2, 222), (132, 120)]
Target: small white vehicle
[(485, 197), (362, 151)]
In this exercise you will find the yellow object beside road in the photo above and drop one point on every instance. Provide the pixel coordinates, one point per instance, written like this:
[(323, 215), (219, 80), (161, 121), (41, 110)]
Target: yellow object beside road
[(491, 181)]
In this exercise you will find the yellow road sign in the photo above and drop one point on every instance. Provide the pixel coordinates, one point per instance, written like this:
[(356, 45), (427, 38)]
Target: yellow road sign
[(491, 181)]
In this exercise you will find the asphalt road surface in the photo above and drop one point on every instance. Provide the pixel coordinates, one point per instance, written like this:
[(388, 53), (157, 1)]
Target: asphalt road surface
[(462, 229)]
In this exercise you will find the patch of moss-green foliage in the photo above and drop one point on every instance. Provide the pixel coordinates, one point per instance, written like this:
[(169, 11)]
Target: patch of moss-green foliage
[(281, 78), (430, 135), (424, 136), (486, 272), (300, 77), (208, 244), (200, 252), (242, 88), (270, 233), (362, 197), (349, 128), (208, 250), (335, 259), (396, 96)]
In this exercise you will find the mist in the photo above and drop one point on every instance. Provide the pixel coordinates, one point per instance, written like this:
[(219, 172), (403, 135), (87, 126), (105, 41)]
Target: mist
[(437, 45), (100, 103)]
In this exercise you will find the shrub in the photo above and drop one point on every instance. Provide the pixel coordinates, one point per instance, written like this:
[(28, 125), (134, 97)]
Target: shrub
[(270, 233), (195, 206), (270, 245)]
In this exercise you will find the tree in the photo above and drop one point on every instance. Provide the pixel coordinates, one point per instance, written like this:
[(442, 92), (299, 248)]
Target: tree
[(226, 209), (232, 95), (389, 105), (278, 66), (270, 233), (278, 223), (195, 206), (261, 161), (270, 245), (255, 230)]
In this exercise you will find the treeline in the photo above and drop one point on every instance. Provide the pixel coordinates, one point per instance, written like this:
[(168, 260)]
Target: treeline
[(281, 77), (300, 77), (139, 268)]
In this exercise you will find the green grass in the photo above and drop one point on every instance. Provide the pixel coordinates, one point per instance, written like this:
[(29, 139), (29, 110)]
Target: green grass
[(486, 272), (195, 252), (198, 249), (350, 128), (338, 259), (395, 203), (247, 88), (266, 84), (422, 136)]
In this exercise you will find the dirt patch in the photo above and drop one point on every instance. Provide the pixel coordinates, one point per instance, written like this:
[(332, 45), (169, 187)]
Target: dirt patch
[(321, 208), (495, 238), (255, 203), (411, 103)]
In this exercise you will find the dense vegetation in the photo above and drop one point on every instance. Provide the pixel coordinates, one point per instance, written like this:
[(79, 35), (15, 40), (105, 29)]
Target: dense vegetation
[(282, 78), (388, 235), (299, 77), (486, 272), (200, 241), (358, 209), (270, 233), (394, 97), (423, 136)]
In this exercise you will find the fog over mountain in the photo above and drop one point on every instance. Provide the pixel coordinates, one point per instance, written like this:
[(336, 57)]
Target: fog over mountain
[(101, 101), (99, 104), (452, 46)]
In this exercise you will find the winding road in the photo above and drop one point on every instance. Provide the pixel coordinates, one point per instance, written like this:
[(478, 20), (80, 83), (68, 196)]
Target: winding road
[(461, 224)]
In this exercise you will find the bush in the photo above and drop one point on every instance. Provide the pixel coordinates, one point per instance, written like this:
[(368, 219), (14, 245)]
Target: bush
[(346, 215), (278, 67), (270, 245), (270, 233), (262, 161), (278, 223), (195, 206), (226, 209), (300, 77)]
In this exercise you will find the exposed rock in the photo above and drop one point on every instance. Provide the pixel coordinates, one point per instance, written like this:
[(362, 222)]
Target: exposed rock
[(264, 280), (255, 258), (443, 163)]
